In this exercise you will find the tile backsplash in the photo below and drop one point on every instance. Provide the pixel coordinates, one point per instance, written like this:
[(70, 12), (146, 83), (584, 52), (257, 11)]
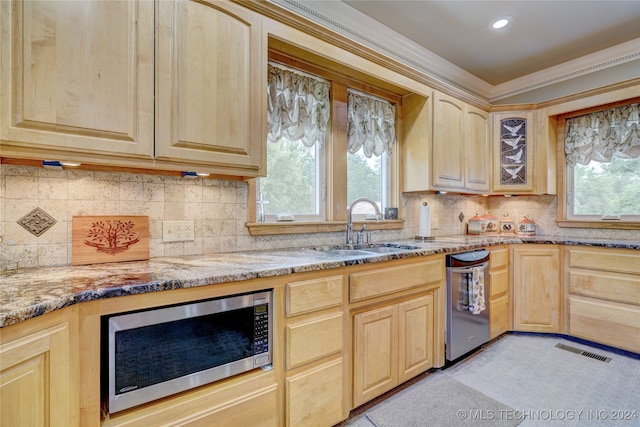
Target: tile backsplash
[(218, 209)]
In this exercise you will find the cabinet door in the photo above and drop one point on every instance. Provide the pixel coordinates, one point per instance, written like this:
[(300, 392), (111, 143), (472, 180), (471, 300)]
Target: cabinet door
[(77, 77), (375, 355), (448, 141), (35, 387), (536, 281), (416, 329), (211, 95), (513, 159), (477, 150), (417, 119)]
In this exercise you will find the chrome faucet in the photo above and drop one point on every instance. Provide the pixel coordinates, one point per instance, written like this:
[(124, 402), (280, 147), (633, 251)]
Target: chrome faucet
[(350, 220)]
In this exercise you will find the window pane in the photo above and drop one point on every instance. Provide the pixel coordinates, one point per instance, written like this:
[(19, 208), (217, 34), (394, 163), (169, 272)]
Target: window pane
[(291, 185), (607, 188), (366, 178)]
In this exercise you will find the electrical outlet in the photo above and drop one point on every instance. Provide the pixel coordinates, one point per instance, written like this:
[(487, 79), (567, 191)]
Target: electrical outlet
[(177, 231), (435, 223)]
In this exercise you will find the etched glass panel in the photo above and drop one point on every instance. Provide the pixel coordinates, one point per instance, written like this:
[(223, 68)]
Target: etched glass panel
[(513, 151)]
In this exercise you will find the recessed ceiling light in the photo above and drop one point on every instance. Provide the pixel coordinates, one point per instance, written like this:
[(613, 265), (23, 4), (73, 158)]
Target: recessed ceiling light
[(501, 23)]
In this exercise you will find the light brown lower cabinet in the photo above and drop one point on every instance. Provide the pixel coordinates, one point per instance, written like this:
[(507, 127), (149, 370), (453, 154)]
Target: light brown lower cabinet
[(341, 339), (375, 353), (248, 399), (536, 288), (316, 351), (416, 325), (314, 397), (499, 292), (38, 379), (604, 295), (397, 326), (391, 345)]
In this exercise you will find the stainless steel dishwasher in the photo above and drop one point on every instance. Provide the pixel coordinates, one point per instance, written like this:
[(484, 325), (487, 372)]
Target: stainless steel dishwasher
[(467, 321)]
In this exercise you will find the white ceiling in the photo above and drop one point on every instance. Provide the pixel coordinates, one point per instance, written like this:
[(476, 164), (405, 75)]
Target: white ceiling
[(542, 34)]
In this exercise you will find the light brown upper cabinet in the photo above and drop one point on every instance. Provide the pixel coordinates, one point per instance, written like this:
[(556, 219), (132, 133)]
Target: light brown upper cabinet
[(513, 152), (448, 142), (477, 150), (77, 77), (84, 81), (446, 145), (211, 70), (524, 153)]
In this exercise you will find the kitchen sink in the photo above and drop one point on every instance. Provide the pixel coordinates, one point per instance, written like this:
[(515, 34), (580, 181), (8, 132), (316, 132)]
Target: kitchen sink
[(346, 252), (385, 249)]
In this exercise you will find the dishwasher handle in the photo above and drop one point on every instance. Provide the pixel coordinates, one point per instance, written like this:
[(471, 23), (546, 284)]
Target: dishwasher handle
[(464, 270)]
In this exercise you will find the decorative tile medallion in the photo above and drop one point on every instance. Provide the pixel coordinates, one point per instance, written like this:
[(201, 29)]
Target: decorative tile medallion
[(37, 222)]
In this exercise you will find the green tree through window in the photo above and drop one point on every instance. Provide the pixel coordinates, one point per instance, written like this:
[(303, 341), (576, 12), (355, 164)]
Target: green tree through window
[(607, 188), (290, 186)]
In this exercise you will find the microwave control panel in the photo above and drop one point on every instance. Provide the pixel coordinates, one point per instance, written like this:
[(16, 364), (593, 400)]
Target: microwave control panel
[(261, 329)]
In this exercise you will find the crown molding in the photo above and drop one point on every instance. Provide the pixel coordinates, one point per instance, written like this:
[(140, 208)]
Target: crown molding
[(597, 61), (443, 75), (355, 26)]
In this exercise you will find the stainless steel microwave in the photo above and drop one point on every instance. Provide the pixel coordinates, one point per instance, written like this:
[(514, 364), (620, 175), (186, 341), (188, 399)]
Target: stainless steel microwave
[(154, 353)]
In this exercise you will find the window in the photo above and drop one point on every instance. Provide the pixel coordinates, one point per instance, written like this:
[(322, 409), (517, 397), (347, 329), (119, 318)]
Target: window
[(371, 138), (317, 164), (295, 182), (298, 113), (602, 153)]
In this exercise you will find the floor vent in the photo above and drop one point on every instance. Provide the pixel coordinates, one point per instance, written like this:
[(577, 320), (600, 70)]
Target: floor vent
[(584, 353)]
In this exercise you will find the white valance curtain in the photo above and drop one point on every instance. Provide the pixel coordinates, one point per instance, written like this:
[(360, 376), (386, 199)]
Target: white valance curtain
[(298, 107), (602, 135), (372, 124)]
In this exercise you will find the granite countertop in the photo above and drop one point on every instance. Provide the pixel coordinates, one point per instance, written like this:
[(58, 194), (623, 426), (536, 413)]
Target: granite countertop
[(32, 292)]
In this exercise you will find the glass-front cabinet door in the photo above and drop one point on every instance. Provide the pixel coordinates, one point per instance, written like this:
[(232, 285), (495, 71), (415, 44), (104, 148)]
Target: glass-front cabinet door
[(513, 152)]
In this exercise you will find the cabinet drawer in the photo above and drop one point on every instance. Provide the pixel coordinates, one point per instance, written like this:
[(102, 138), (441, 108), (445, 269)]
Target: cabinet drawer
[(499, 258), (499, 316), (315, 398), (599, 284), (312, 295), (498, 282), (620, 261), (605, 322), (256, 409), (313, 339), (384, 281), (249, 399)]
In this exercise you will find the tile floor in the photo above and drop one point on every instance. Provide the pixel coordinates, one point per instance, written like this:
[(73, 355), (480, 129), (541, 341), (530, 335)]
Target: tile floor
[(545, 385)]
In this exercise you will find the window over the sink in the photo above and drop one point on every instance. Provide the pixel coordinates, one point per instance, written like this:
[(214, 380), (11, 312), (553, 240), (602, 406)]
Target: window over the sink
[(322, 155), (602, 165), (298, 113), (370, 142)]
